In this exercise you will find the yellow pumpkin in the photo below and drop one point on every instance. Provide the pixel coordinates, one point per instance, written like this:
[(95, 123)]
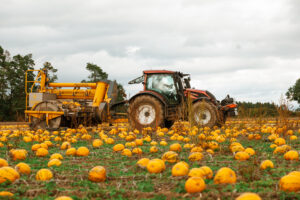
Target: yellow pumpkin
[(35, 147), (137, 151), (291, 155), (153, 149), (126, 152), (8, 174), (82, 151), (241, 155), (63, 198), (250, 151), (139, 142), (23, 168), (195, 156), (118, 147), (175, 147), (170, 156), (6, 194), (44, 175), (290, 183), (163, 143), (156, 166), (109, 141), (248, 196), (203, 172), (293, 137), (18, 154), (56, 156), (53, 162), (3, 163), (71, 151), (143, 162), (65, 145), (266, 164), (180, 169), (41, 152), (225, 175), (194, 185), (196, 149), (279, 141), (97, 174), (97, 143)]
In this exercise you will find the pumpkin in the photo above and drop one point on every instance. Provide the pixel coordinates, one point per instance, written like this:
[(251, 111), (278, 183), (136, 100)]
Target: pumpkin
[(250, 151), (290, 183), (82, 151), (71, 151), (237, 148), (109, 141), (65, 145), (153, 149), (225, 175), (196, 149), (53, 162), (248, 196), (6, 194), (293, 137), (143, 162), (194, 184), (291, 155), (27, 139), (137, 151), (97, 174), (97, 143), (44, 175), (56, 156), (8, 173), (18, 154), (156, 166), (23, 168), (175, 147), (241, 155), (126, 152), (279, 141), (3, 162), (266, 164), (35, 147), (41, 152), (203, 172), (180, 169), (118, 147), (163, 143), (153, 143), (139, 142), (170, 156), (63, 198), (210, 151), (195, 156)]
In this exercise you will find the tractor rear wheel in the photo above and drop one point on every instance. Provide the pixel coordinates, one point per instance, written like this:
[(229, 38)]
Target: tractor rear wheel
[(205, 114), (145, 111)]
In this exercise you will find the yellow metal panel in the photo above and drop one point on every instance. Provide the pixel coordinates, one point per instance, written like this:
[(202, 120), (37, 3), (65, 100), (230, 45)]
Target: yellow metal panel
[(91, 85), (100, 93)]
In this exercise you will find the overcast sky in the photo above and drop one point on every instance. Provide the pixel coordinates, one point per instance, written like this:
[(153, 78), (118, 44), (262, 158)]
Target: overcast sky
[(249, 49)]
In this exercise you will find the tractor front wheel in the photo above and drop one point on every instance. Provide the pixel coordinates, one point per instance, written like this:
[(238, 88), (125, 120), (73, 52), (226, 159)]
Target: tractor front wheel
[(204, 114), (145, 111)]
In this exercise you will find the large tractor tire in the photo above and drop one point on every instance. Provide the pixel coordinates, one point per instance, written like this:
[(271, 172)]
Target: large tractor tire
[(205, 114), (145, 111)]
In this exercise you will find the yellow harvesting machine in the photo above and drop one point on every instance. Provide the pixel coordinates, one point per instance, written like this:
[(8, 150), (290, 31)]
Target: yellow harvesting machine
[(51, 105)]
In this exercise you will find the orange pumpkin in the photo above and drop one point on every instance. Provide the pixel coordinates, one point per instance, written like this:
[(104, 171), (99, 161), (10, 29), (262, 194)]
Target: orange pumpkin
[(180, 169), (3, 163), (53, 162), (6, 194), (290, 183), (241, 155), (153, 149), (156, 166), (137, 151), (18, 154), (44, 175), (41, 152), (65, 145), (175, 147), (118, 147), (225, 175), (63, 198), (97, 174), (291, 155), (56, 156), (194, 184), (248, 196), (195, 156), (71, 151), (170, 156), (23, 168), (8, 173), (82, 151), (266, 164), (97, 143), (250, 151), (126, 152), (143, 162)]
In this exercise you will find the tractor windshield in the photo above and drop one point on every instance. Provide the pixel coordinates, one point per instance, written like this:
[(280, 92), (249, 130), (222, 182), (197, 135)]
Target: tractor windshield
[(163, 84)]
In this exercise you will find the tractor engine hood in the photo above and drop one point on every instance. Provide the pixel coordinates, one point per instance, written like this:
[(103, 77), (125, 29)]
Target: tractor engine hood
[(195, 94)]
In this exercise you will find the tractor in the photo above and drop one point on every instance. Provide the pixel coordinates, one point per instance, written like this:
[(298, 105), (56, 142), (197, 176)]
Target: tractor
[(168, 96)]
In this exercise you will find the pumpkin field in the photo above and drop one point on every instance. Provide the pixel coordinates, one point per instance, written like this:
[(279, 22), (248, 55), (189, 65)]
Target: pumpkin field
[(244, 159)]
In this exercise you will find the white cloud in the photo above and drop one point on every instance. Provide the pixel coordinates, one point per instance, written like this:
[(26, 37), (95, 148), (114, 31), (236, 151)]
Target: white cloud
[(245, 48)]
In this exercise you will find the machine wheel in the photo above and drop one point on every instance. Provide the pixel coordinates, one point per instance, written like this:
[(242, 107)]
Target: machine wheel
[(38, 123), (205, 114), (145, 111)]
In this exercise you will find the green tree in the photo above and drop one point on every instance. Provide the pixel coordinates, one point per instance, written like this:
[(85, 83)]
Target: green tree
[(97, 74), (51, 71), (293, 92)]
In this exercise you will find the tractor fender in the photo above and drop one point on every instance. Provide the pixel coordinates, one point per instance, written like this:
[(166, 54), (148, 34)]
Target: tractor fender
[(151, 93)]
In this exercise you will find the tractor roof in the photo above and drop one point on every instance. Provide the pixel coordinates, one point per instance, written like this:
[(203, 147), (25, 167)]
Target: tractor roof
[(158, 72)]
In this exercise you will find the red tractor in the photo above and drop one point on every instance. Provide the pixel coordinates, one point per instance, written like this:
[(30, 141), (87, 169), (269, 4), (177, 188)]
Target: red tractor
[(168, 96)]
